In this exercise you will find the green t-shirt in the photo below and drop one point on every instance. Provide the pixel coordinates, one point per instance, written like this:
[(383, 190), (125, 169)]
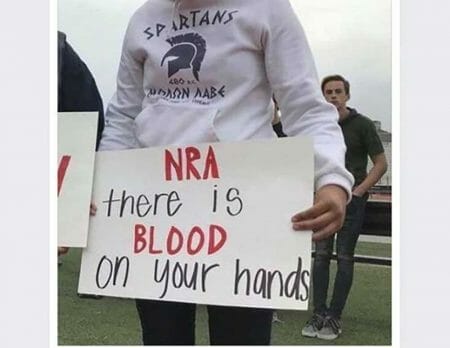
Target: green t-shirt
[(362, 140)]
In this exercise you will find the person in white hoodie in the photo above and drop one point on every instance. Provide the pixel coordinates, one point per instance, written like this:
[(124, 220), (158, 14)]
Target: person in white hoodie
[(195, 71)]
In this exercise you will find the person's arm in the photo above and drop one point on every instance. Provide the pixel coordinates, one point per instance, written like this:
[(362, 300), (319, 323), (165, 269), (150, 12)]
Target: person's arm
[(78, 90), (126, 103), (291, 72), (379, 168)]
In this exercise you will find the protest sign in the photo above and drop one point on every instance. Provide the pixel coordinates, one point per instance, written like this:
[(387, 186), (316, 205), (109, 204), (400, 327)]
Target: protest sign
[(77, 132), (209, 224)]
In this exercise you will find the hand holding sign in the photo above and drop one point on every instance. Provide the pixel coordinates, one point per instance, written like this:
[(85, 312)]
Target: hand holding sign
[(62, 250), (327, 214), (92, 209)]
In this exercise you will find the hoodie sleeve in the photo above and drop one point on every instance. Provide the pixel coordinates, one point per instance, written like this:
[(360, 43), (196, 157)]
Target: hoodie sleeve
[(77, 90), (126, 103), (292, 74)]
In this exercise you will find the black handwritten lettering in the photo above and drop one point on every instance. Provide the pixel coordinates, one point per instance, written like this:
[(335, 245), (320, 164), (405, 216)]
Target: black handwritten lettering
[(218, 17), (109, 272), (112, 271), (292, 283), (183, 22), (149, 33), (159, 29), (205, 19), (230, 16), (259, 285), (192, 283), (214, 209), (270, 278), (117, 268), (181, 275), (261, 282), (305, 282), (176, 93), (139, 203), (164, 276), (209, 92), (205, 270), (194, 17), (127, 204), (238, 275), (177, 271), (233, 196)]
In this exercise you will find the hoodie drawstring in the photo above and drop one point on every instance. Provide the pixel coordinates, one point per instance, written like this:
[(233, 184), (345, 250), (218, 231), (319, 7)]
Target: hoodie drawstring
[(175, 10)]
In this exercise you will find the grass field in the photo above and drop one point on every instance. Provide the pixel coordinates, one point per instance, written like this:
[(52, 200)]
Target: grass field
[(113, 321)]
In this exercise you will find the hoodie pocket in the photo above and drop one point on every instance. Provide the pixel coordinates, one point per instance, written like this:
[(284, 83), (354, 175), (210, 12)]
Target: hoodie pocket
[(162, 124)]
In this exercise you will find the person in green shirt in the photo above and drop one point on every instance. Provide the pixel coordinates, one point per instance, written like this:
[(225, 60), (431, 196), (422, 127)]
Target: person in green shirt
[(362, 142)]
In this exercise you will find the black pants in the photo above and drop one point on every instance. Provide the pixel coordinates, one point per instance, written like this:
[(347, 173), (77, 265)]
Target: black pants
[(345, 248), (172, 323)]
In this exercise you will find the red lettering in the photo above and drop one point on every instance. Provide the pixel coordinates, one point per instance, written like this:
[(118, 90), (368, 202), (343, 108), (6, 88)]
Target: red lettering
[(190, 249), (171, 163), (211, 165), (151, 250), (192, 154), (139, 238), (62, 168), (174, 232), (216, 245), (191, 243)]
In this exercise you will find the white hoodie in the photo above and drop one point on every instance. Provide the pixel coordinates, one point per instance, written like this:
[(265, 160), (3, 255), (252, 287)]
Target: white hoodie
[(195, 71)]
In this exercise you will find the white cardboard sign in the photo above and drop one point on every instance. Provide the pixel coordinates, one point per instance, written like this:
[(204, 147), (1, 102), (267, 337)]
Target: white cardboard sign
[(206, 224), (77, 132)]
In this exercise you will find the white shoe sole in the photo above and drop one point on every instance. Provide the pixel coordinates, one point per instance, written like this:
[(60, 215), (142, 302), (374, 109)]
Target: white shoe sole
[(327, 337), (309, 334)]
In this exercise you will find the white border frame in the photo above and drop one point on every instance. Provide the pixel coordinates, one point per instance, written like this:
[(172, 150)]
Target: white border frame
[(53, 98), (395, 119)]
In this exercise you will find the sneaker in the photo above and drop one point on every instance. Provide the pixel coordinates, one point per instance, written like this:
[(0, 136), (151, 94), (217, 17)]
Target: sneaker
[(331, 329), (313, 326)]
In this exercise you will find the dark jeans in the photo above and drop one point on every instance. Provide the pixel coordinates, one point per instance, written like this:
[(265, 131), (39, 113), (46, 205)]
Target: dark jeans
[(345, 249), (172, 323)]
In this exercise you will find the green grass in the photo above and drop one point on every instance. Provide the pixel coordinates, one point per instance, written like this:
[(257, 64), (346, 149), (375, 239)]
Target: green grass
[(373, 249), (113, 321), (88, 321)]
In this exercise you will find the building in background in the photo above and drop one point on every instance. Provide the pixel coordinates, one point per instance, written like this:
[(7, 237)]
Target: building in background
[(377, 220), (386, 180)]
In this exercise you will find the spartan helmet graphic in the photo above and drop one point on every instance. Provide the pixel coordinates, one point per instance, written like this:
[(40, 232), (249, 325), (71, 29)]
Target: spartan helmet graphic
[(187, 52)]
